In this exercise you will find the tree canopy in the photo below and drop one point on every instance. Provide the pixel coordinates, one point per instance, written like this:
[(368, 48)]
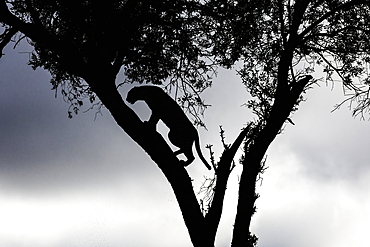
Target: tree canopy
[(282, 46)]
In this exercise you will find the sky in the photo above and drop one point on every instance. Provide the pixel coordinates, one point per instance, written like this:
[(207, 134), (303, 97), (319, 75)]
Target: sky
[(83, 182)]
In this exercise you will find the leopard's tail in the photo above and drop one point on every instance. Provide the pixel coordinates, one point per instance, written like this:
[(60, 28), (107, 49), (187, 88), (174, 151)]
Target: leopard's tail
[(197, 146)]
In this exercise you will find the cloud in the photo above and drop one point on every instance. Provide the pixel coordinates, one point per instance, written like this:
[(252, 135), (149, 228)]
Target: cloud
[(42, 151), (329, 146), (296, 210)]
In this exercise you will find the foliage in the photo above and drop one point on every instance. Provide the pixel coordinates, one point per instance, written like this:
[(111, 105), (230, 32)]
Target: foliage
[(332, 38), (153, 42)]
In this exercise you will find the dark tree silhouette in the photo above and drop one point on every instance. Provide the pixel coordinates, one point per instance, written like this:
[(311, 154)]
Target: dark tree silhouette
[(179, 44)]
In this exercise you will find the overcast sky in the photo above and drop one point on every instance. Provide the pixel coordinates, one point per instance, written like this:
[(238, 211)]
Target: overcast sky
[(80, 182)]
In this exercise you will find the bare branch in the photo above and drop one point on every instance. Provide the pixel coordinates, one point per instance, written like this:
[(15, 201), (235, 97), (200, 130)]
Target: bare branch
[(282, 24)]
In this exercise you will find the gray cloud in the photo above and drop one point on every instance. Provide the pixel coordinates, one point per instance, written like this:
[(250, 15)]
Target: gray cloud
[(41, 150), (330, 146)]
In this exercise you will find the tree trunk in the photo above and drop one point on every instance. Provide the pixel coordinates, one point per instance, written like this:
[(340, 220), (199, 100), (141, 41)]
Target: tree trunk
[(252, 163), (246, 208)]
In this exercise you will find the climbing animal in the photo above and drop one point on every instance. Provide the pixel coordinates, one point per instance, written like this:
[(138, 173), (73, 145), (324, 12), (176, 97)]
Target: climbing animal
[(182, 133)]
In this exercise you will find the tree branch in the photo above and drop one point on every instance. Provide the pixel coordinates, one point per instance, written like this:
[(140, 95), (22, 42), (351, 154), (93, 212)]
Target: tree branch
[(223, 172), (118, 62), (282, 23), (300, 7), (287, 55)]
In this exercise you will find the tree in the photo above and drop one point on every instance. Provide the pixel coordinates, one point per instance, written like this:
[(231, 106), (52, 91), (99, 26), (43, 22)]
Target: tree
[(179, 44)]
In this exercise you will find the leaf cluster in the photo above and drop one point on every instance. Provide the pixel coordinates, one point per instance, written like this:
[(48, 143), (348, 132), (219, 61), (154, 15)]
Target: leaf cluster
[(153, 41), (332, 37)]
